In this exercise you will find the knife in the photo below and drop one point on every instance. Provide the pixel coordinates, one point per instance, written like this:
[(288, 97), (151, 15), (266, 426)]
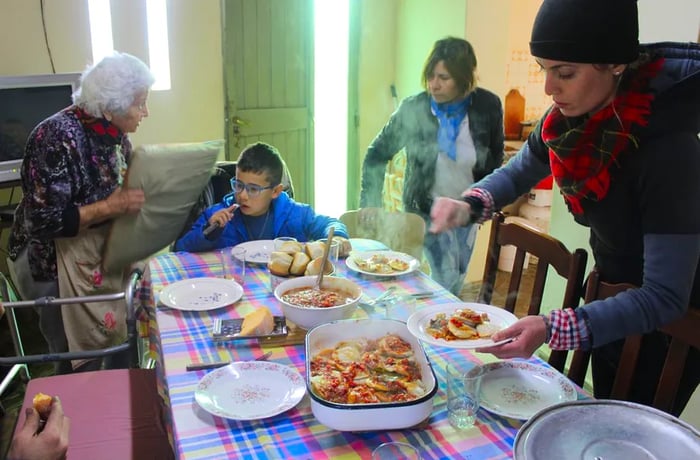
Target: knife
[(217, 364)]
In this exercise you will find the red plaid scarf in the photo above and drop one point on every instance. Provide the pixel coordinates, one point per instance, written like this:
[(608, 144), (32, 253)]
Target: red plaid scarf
[(105, 130), (582, 150)]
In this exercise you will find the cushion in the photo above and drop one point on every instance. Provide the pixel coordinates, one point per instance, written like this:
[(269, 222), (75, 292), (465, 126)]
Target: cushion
[(114, 414), (172, 177)]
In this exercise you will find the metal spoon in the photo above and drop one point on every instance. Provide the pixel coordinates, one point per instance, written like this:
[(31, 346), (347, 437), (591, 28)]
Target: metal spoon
[(324, 259)]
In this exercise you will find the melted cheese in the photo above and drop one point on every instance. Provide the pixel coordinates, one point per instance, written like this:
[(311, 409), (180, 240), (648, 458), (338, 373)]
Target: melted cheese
[(258, 322)]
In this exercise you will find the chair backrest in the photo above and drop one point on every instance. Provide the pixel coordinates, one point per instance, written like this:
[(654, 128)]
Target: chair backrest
[(595, 290), (400, 231), (550, 252), (683, 334)]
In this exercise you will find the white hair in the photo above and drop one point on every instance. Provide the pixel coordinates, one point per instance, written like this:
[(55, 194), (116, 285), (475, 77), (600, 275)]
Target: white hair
[(112, 84)]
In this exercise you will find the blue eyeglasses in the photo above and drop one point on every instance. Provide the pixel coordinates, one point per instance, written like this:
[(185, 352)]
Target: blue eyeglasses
[(253, 190)]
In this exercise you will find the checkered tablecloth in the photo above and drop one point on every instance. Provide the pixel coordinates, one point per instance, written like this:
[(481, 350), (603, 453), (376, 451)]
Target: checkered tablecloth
[(180, 337)]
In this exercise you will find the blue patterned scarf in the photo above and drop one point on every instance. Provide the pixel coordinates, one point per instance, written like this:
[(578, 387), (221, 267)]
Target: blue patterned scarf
[(450, 116)]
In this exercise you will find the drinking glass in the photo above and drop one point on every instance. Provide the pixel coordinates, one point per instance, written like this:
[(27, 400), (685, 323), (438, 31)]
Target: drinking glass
[(280, 240), (396, 451), (463, 388), (233, 261), (334, 252)]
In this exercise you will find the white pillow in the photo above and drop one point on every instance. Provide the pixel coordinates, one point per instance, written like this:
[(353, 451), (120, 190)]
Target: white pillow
[(172, 177)]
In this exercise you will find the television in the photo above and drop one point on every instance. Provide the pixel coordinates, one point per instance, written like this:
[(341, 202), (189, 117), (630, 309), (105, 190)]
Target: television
[(24, 102)]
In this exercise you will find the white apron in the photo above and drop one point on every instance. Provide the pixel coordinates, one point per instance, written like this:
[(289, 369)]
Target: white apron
[(95, 325)]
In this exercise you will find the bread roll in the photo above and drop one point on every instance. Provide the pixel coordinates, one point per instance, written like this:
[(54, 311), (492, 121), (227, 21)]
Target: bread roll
[(291, 247), (299, 263), (42, 403), (314, 267), (279, 263), (314, 249)]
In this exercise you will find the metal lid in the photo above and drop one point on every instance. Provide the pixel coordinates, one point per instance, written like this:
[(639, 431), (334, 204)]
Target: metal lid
[(604, 430)]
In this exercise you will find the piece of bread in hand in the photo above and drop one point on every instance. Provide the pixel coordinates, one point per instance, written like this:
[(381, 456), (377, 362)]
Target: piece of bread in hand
[(345, 246), (314, 249), (291, 247), (299, 263), (279, 263), (42, 403), (258, 322), (314, 267)]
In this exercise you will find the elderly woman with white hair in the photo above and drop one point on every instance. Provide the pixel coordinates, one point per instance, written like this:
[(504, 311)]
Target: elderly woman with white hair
[(72, 174)]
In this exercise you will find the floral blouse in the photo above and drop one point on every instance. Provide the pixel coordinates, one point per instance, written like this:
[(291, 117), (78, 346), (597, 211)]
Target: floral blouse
[(71, 160)]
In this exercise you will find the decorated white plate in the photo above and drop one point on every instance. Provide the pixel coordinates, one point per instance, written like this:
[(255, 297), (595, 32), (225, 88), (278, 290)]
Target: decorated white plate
[(355, 258), (250, 390), (201, 294), (519, 390), (257, 251), (419, 322)]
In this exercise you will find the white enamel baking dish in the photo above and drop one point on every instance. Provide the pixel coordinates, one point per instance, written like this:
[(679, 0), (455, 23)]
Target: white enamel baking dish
[(374, 416)]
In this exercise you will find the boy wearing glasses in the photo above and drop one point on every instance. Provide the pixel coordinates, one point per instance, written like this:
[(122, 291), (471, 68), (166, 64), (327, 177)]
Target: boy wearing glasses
[(257, 208)]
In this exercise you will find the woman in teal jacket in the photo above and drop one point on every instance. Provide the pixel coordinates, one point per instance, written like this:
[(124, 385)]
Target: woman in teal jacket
[(453, 136)]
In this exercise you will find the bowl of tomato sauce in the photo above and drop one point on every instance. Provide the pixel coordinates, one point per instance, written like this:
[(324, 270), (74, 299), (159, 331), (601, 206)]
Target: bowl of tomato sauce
[(308, 307)]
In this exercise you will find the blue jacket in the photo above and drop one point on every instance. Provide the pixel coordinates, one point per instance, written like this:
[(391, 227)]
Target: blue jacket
[(289, 218)]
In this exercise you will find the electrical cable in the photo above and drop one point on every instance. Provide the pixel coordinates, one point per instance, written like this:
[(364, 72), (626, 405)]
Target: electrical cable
[(46, 36)]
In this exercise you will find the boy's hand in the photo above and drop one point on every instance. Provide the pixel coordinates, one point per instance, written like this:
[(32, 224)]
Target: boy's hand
[(223, 216)]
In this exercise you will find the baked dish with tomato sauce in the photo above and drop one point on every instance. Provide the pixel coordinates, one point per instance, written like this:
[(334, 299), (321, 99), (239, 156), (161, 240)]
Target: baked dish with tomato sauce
[(463, 324), (367, 371)]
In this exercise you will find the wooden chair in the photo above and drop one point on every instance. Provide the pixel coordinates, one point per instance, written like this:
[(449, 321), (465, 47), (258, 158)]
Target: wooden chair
[(550, 252), (400, 231), (595, 290), (683, 335)]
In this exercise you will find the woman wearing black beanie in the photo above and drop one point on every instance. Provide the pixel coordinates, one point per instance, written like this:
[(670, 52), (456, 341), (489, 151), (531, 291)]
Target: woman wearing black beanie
[(621, 140)]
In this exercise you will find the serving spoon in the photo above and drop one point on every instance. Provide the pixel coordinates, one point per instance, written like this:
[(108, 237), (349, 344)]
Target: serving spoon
[(324, 258)]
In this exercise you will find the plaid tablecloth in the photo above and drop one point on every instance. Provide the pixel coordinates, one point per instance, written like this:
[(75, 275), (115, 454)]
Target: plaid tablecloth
[(180, 337)]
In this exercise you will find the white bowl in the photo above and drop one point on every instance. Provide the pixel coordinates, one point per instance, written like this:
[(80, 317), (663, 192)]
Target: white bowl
[(373, 416), (310, 317)]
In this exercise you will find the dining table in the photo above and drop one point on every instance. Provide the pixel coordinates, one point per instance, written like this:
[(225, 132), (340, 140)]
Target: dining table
[(179, 337)]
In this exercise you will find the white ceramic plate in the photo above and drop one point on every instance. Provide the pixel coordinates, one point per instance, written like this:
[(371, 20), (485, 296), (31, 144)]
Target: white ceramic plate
[(519, 390), (366, 244), (250, 390), (413, 263), (257, 251), (419, 321), (201, 294)]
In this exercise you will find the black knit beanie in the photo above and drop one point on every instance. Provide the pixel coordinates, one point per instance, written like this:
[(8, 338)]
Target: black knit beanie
[(586, 31)]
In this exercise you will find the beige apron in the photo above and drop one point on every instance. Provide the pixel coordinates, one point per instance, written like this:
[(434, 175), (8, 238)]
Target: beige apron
[(89, 326)]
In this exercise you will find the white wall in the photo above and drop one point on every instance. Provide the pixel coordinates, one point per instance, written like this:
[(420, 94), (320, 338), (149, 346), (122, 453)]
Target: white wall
[(420, 24)]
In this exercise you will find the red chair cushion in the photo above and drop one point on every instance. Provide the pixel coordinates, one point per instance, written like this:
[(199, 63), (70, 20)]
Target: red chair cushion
[(114, 414)]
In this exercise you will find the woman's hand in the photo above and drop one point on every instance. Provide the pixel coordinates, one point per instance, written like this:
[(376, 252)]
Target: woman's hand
[(223, 216), (50, 443), (447, 213), (528, 335), (125, 201)]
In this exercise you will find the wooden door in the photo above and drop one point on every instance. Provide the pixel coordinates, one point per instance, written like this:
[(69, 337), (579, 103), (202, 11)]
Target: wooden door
[(268, 77)]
